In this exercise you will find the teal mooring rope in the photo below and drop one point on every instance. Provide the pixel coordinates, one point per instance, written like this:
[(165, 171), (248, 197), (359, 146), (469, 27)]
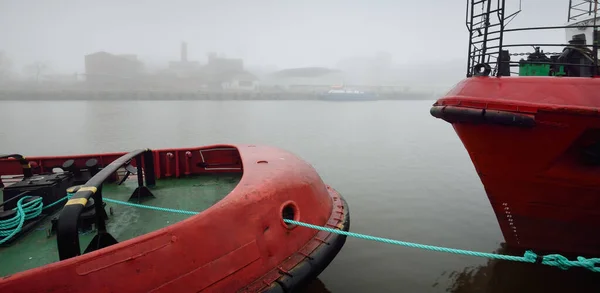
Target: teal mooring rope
[(135, 205), (32, 209), (25, 211), (555, 260)]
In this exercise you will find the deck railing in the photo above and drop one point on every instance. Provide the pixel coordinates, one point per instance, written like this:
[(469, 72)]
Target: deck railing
[(67, 226), (488, 54)]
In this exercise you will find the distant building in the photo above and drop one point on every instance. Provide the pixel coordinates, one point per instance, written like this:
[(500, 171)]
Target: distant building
[(218, 73), (242, 80), (219, 65), (306, 78), (102, 67), (184, 67), (228, 74)]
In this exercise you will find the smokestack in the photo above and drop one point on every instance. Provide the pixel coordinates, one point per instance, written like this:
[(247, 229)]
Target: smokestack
[(183, 52)]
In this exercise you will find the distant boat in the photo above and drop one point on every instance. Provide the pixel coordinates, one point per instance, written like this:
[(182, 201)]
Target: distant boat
[(347, 95)]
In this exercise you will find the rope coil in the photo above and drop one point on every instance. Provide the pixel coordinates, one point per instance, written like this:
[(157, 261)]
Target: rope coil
[(24, 211)]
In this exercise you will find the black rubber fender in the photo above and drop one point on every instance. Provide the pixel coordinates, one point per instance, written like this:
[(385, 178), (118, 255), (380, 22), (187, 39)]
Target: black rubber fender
[(310, 268), (454, 114)]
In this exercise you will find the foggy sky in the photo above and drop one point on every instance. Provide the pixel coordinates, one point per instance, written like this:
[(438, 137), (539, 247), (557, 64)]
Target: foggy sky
[(284, 33)]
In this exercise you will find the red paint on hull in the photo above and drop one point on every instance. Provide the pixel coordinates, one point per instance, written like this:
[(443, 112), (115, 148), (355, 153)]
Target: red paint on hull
[(240, 243), (543, 188)]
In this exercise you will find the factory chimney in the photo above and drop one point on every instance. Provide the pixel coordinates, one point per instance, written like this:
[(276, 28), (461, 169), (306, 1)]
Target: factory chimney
[(183, 52)]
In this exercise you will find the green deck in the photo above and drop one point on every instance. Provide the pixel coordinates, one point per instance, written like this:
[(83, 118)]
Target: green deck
[(193, 194)]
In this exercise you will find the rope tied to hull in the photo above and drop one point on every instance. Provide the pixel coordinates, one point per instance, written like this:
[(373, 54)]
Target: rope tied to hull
[(555, 260), (25, 211)]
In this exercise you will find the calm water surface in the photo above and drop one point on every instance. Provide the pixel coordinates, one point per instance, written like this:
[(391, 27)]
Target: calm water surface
[(404, 174)]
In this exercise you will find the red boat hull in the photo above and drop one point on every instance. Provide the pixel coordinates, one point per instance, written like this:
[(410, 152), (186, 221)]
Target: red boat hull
[(239, 244), (532, 141)]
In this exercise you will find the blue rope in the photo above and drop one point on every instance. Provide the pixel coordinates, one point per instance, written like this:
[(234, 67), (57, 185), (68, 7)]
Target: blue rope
[(150, 207), (32, 209), (10, 227), (135, 205), (56, 202), (25, 211), (555, 260)]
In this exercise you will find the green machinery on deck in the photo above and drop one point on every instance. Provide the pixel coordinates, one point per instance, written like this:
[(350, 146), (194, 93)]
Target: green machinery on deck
[(531, 69), (538, 64)]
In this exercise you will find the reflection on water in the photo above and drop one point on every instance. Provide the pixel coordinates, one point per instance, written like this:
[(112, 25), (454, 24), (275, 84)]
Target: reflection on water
[(497, 276), (316, 286), (506, 276)]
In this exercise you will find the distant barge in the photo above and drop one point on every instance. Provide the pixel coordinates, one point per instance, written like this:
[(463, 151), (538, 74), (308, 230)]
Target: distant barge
[(348, 95)]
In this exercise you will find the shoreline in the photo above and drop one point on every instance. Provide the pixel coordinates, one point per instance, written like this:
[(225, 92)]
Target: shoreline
[(164, 95)]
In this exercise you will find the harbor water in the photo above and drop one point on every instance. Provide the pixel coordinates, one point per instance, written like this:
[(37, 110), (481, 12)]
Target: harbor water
[(405, 175)]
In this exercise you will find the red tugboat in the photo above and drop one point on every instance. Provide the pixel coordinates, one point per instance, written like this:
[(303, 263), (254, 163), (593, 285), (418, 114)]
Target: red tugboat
[(533, 136), (219, 226)]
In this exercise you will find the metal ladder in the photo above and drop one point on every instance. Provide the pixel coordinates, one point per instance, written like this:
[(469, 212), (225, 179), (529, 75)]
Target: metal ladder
[(579, 8), (485, 21)]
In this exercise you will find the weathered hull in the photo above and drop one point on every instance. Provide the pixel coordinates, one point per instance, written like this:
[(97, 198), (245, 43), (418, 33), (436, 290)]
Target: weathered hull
[(238, 244), (533, 142)]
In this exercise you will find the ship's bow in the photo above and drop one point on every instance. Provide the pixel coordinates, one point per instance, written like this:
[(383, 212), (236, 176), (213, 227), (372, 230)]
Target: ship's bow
[(535, 143)]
